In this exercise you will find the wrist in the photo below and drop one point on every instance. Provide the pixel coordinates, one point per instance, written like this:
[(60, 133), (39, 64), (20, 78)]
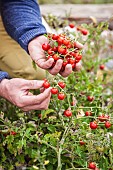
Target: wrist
[(37, 41), (3, 83)]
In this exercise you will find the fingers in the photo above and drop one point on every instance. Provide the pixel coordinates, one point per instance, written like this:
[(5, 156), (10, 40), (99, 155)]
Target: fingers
[(42, 106), (32, 84), (56, 69), (79, 45), (27, 100), (37, 54), (44, 64), (67, 71), (78, 67)]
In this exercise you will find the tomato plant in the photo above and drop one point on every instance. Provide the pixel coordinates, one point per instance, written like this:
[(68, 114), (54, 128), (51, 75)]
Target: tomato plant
[(75, 132)]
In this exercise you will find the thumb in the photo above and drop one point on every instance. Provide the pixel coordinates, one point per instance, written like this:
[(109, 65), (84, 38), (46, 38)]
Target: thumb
[(32, 84)]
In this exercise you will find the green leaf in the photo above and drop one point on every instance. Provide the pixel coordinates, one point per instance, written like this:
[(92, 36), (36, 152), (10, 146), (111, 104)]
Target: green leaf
[(51, 128), (34, 65), (56, 44), (45, 113)]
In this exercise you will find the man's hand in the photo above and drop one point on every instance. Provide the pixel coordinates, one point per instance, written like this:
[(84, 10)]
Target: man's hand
[(37, 54), (16, 91)]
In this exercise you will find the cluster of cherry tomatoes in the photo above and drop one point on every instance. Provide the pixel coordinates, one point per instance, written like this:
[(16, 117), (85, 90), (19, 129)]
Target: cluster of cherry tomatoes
[(101, 118), (54, 90), (82, 30), (61, 95), (79, 28), (62, 47), (68, 113)]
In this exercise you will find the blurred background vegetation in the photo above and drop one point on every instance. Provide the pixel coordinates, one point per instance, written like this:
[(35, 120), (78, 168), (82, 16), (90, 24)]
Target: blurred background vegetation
[(74, 1)]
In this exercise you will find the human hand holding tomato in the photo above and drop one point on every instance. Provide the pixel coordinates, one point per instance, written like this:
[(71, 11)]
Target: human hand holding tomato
[(17, 91), (37, 54)]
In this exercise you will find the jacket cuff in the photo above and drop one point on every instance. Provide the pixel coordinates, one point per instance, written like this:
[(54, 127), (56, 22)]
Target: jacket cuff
[(3, 75), (30, 35)]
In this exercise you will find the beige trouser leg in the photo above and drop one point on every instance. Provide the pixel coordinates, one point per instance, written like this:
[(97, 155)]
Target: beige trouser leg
[(14, 60)]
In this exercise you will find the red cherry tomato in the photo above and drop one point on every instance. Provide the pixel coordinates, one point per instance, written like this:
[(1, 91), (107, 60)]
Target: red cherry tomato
[(107, 124), (68, 113), (92, 165), (88, 113), (65, 42), (71, 61), (46, 84), (78, 57), (55, 57), (102, 67), (61, 96), (54, 90), (45, 46), (62, 50), (64, 63), (50, 51), (82, 142), (84, 31), (69, 45), (72, 25), (39, 115), (54, 37), (55, 48), (62, 84), (103, 118), (93, 125), (60, 40), (13, 133), (90, 98)]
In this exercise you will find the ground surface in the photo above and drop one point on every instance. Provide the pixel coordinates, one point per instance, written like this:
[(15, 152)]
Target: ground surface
[(80, 12), (101, 11)]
